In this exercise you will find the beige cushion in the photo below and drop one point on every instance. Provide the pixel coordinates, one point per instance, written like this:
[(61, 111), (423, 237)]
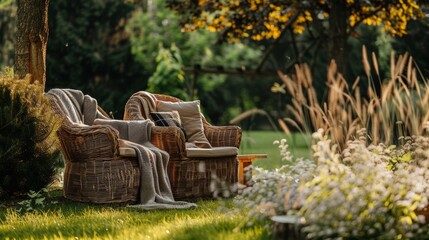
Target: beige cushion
[(212, 152), (191, 119)]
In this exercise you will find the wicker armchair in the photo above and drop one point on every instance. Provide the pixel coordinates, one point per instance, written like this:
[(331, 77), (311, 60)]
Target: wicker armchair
[(190, 177), (95, 171)]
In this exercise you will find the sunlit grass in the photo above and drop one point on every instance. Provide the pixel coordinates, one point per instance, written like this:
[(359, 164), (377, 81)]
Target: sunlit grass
[(212, 219), (262, 142)]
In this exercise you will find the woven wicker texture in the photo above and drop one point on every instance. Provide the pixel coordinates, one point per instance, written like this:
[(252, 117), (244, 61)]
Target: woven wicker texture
[(189, 177), (94, 170)]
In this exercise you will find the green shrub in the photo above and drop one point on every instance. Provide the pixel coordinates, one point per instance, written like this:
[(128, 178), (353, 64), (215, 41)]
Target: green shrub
[(28, 153), (169, 78)]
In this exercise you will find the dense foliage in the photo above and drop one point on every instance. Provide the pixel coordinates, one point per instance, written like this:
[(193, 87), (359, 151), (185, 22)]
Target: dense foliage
[(109, 50), (156, 35), (89, 50), (7, 32), (28, 154), (169, 77)]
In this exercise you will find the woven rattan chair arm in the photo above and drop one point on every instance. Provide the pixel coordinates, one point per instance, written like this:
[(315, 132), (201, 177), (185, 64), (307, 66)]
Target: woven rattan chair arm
[(94, 130), (81, 142), (222, 136), (170, 139)]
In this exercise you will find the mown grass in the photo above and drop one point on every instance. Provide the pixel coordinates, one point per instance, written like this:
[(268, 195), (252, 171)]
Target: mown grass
[(262, 142), (212, 219)]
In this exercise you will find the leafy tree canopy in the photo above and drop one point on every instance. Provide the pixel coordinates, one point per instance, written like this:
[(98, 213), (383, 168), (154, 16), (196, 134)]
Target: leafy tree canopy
[(155, 34), (329, 22), (266, 19)]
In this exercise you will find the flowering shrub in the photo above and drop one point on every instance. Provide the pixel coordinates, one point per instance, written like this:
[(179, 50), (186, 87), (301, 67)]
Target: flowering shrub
[(373, 191), (274, 192)]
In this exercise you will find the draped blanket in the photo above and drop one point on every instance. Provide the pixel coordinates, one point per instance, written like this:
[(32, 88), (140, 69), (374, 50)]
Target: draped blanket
[(79, 108), (155, 190)]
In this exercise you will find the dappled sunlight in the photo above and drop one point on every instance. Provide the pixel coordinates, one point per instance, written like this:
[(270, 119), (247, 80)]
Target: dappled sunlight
[(211, 220)]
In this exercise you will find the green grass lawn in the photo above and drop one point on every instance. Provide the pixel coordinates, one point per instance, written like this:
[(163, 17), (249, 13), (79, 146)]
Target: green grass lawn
[(72, 220), (212, 219), (262, 142)]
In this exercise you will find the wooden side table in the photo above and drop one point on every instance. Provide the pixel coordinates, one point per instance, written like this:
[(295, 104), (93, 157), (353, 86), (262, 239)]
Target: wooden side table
[(245, 160)]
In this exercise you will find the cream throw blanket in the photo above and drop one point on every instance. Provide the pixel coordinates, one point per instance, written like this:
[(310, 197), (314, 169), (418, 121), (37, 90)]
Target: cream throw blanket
[(155, 190)]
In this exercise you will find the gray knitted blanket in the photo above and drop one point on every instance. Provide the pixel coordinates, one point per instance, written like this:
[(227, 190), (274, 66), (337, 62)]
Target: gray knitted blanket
[(79, 108), (155, 190)]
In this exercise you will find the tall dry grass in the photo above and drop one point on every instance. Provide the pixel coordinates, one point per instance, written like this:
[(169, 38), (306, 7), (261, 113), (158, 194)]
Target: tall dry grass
[(399, 108)]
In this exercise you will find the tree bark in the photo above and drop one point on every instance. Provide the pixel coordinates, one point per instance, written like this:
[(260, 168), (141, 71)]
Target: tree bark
[(338, 34), (31, 39)]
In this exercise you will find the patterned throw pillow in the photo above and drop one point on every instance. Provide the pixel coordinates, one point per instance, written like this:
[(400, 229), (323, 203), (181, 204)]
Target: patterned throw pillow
[(165, 119)]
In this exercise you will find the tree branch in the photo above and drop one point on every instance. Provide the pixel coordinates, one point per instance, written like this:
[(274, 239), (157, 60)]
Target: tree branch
[(365, 16)]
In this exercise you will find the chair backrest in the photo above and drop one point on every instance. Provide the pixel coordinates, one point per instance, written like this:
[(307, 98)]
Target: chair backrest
[(142, 103)]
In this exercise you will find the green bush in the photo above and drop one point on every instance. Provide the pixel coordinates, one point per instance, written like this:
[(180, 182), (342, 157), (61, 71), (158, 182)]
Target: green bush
[(28, 152)]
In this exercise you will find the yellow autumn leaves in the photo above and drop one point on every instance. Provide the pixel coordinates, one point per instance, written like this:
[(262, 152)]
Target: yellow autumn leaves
[(265, 19), (394, 17)]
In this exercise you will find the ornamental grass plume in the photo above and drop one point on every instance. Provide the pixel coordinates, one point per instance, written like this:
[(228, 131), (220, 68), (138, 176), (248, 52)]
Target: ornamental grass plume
[(368, 176), (399, 108)]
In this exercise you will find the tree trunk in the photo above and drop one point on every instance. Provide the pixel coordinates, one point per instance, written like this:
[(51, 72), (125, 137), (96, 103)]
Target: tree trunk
[(338, 34), (31, 39)]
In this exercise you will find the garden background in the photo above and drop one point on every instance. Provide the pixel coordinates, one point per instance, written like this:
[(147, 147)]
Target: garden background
[(112, 49)]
